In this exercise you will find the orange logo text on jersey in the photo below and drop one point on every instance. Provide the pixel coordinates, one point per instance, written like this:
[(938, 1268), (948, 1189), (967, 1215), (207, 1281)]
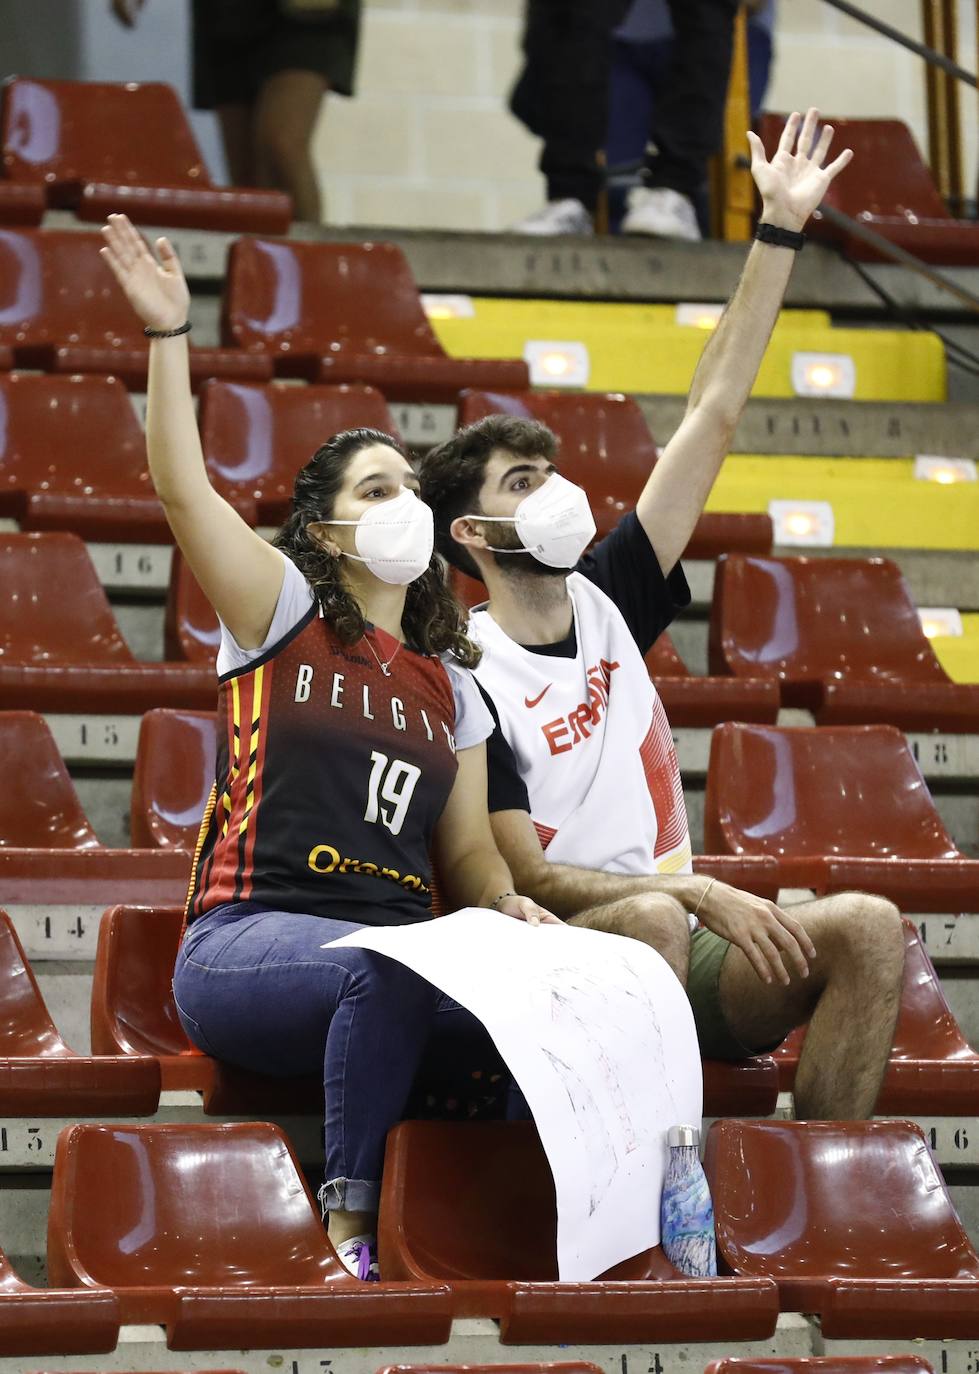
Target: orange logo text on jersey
[(565, 732)]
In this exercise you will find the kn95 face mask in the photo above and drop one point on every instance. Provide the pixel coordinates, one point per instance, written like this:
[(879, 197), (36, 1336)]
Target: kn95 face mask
[(395, 539), (554, 523)]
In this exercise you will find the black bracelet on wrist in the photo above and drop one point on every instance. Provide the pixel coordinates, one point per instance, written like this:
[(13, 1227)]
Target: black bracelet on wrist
[(495, 903), (781, 238), (166, 333)]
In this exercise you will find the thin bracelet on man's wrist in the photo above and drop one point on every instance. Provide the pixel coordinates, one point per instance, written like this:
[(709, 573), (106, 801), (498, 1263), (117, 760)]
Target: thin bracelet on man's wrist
[(494, 904), (703, 895)]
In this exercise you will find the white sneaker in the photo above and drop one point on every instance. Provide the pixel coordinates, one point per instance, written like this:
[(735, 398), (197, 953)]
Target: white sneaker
[(557, 217), (661, 213), (359, 1256)]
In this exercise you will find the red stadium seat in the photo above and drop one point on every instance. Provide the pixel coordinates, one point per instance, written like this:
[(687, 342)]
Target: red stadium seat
[(606, 447), (46, 1321), (39, 807), (835, 807), (97, 147), (257, 438), (65, 313), (60, 646), (39, 1074), (696, 702), (543, 1367), (346, 312), (21, 204), (852, 1220), (889, 189), (841, 635), (73, 457), (146, 1211), (931, 1070), (824, 1364), (190, 626), (133, 1013), (441, 1221), (173, 778)]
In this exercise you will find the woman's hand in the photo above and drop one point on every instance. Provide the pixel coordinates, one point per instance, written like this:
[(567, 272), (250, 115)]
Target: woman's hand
[(523, 909), (156, 289)]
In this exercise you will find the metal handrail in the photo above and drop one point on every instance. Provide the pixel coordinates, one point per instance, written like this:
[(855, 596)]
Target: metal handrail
[(930, 55)]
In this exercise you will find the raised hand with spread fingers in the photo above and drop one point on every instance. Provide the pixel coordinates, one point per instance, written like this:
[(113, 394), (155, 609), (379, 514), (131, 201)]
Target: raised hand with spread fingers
[(155, 286), (794, 182)]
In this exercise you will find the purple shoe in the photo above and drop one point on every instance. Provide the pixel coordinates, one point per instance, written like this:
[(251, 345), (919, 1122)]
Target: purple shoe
[(359, 1256)]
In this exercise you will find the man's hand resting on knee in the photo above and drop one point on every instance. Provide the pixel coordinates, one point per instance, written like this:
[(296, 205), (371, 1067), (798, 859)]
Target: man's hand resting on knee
[(772, 940)]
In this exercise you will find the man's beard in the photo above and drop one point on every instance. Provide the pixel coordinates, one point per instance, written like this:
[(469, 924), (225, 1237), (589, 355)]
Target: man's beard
[(519, 561)]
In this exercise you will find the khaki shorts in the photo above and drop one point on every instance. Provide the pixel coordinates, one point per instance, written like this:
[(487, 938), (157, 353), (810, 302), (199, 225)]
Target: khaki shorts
[(717, 1040)]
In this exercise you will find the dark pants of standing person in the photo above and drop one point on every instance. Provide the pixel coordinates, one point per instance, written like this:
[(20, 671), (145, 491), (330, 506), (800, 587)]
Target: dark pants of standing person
[(563, 92), (640, 72)]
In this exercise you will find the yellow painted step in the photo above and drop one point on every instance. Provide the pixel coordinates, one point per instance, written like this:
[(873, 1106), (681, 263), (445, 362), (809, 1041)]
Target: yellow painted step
[(960, 656), (627, 354), (567, 319), (877, 503)]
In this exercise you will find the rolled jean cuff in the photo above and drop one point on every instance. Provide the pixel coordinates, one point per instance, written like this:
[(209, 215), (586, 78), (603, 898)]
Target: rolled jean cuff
[(349, 1195)]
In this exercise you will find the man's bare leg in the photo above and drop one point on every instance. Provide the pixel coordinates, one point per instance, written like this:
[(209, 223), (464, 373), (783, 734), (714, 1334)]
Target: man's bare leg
[(654, 918), (851, 1000)]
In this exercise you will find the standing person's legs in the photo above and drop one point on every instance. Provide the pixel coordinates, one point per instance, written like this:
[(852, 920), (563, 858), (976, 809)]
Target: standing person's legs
[(688, 116), (285, 115), (236, 137), (257, 989), (562, 96)]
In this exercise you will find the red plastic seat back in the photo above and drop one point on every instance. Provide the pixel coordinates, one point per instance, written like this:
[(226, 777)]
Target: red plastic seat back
[(57, 290), (851, 790), (53, 611), (190, 628), (256, 438), (449, 1178), (802, 619), (39, 807), (63, 133), (926, 1026), (888, 175), (823, 1199), (174, 1206), (323, 298), (133, 1011), (662, 660), (824, 1364), (74, 435), (605, 443), (173, 778), (26, 1027)]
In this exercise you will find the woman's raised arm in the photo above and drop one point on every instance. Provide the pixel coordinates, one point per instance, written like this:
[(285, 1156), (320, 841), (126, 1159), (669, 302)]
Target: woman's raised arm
[(239, 573)]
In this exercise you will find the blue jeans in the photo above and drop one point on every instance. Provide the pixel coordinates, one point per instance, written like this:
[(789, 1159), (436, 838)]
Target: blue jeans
[(255, 988)]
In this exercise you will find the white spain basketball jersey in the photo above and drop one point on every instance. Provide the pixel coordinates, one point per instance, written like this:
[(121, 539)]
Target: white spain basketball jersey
[(591, 741)]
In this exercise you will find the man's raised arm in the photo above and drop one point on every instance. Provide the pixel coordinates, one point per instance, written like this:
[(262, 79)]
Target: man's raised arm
[(791, 186)]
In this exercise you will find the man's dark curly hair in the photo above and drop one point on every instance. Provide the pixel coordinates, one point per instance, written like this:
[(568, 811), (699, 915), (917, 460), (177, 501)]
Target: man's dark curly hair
[(452, 474), (433, 621)]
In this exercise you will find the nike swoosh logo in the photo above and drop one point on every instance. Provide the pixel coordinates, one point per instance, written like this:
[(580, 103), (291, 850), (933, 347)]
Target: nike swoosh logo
[(538, 699)]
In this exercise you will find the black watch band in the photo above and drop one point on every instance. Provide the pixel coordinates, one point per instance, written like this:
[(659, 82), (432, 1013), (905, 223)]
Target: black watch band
[(781, 238)]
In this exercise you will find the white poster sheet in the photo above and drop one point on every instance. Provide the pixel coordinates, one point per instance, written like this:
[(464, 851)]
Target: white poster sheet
[(598, 1033)]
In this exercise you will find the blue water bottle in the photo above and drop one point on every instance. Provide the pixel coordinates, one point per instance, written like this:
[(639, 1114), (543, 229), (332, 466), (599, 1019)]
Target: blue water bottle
[(687, 1212)]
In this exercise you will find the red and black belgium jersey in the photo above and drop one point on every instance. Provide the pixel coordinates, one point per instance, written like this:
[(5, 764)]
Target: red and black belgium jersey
[(330, 779)]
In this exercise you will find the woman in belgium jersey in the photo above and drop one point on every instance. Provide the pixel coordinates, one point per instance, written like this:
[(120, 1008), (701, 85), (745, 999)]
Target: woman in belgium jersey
[(351, 743)]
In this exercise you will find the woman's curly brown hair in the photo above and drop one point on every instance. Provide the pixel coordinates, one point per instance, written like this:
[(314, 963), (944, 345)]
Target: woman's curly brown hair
[(433, 622)]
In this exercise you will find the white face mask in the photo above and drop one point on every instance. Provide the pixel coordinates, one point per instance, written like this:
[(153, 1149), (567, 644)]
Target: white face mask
[(554, 523), (394, 538)]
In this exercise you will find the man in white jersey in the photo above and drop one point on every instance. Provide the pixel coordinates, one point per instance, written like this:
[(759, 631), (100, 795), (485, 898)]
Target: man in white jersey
[(585, 793)]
